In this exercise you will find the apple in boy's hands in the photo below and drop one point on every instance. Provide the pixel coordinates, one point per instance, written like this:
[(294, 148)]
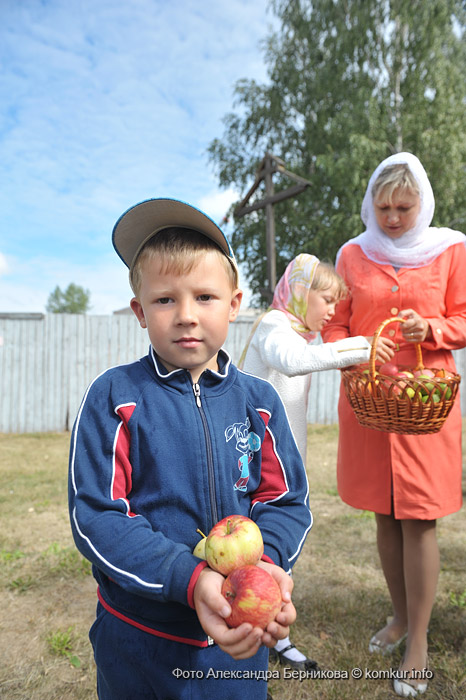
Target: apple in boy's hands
[(199, 549), (233, 542), (253, 595)]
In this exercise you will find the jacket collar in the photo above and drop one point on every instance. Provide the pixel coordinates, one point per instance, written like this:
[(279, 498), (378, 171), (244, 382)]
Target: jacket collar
[(181, 378)]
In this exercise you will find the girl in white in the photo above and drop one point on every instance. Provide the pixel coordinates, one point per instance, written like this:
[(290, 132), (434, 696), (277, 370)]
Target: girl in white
[(280, 349)]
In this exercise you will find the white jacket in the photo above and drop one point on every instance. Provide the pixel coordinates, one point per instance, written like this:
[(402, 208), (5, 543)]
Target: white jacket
[(279, 354)]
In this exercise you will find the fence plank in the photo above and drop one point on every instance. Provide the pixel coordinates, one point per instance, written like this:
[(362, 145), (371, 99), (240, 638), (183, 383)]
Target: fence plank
[(48, 361)]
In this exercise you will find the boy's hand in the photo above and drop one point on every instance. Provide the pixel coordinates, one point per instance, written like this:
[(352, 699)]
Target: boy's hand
[(212, 609), (241, 642), (280, 627)]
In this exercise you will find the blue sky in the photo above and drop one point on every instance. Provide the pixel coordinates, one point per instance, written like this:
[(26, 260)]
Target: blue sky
[(104, 103)]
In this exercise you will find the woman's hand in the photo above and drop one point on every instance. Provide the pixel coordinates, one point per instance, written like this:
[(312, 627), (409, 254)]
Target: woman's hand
[(415, 329), (385, 348)]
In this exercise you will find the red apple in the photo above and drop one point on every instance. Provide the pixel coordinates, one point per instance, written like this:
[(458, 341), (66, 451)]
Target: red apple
[(424, 373), (233, 542), (389, 369), (403, 390), (405, 373), (254, 596)]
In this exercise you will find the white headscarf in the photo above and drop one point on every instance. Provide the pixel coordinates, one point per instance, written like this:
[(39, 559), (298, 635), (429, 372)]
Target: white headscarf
[(420, 245)]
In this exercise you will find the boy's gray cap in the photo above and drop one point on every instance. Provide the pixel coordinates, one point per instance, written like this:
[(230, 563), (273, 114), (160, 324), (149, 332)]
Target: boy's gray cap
[(144, 220)]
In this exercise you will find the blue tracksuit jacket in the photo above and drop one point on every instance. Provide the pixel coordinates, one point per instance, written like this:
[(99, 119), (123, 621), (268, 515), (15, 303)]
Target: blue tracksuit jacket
[(154, 457)]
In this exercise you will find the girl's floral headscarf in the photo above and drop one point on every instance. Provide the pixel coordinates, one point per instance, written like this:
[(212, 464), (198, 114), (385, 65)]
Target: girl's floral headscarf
[(291, 292), (291, 296)]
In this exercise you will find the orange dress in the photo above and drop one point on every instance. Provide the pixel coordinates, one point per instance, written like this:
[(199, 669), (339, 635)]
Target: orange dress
[(421, 473)]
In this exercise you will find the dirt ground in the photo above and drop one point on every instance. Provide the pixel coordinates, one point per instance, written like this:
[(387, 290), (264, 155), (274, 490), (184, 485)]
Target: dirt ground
[(49, 596)]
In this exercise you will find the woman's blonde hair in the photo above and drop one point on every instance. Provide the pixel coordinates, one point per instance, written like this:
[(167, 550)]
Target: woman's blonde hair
[(179, 250), (395, 177), (325, 276)]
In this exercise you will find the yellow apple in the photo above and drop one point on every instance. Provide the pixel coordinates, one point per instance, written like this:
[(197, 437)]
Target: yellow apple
[(233, 542), (199, 549)]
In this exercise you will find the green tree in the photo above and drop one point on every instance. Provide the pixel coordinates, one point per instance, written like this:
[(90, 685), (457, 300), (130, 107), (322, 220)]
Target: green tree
[(349, 83), (74, 300)]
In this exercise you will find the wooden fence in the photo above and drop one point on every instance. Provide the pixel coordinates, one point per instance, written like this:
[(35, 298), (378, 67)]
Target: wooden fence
[(47, 362)]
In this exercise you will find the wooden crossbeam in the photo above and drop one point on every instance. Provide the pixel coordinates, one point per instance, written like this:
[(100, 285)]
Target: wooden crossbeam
[(270, 165)]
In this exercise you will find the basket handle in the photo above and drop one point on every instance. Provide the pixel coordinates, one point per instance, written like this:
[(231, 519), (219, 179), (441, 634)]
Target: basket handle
[(393, 319)]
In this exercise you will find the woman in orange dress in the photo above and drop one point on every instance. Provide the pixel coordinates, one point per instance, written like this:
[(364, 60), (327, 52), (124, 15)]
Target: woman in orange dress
[(400, 266)]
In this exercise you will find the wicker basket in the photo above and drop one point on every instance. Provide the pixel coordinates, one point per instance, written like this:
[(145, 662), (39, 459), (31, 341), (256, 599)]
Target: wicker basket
[(399, 404)]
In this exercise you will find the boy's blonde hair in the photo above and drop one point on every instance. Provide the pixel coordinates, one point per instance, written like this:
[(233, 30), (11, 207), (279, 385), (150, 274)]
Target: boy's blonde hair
[(178, 249), (395, 177), (325, 276)]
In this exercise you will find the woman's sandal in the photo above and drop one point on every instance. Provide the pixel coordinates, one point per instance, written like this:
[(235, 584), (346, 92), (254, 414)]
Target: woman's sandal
[(376, 646), (409, 688), (304, 665)]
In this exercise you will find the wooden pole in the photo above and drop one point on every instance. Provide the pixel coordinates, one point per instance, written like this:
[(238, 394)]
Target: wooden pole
[(270, 228), (270, 165)]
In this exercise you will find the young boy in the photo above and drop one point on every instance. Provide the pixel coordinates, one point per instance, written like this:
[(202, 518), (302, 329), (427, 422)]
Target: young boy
[(169, 444)]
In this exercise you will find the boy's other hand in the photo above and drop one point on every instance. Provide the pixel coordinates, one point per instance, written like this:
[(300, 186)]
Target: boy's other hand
[(241, 642), (280, 627), (212, 609)]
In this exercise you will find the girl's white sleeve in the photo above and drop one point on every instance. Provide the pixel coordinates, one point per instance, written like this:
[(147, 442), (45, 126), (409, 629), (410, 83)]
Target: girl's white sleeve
[(284, 350)]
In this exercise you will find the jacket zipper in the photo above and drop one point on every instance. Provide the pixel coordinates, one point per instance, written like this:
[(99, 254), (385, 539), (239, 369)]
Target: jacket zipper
[(210, 461)]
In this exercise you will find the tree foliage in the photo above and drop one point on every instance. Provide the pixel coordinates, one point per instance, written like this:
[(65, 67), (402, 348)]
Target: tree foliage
[(349, 83), (74, 300)]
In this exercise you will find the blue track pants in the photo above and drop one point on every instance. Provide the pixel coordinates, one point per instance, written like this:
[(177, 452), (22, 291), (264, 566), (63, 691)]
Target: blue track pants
[(135, 665)]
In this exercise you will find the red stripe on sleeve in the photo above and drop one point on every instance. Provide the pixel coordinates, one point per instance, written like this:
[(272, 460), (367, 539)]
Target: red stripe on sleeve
[(122, 470), (272, 483), (202, 565)]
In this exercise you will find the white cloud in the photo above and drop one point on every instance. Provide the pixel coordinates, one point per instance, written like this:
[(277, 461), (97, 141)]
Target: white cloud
[(3, 265), (216, 204), (102, 105), (107, 280)]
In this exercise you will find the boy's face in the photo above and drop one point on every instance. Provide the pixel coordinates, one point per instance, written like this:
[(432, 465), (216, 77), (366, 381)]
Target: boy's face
[(321, 305), (187, 316)]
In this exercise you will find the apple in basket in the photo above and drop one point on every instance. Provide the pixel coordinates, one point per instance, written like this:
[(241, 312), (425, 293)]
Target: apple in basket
[(253, 595), (431, 387), (399, 389), (445, 391), (424, 373), (390, 369), (233, 542), (403, 385), (365, 384), (405, 373)]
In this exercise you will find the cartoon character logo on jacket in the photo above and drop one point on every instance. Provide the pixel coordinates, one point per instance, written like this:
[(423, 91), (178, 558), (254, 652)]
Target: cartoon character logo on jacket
[(247, 443)]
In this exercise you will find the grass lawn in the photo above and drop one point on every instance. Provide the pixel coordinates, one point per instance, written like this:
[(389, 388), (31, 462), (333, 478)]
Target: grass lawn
[(49, 595)]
